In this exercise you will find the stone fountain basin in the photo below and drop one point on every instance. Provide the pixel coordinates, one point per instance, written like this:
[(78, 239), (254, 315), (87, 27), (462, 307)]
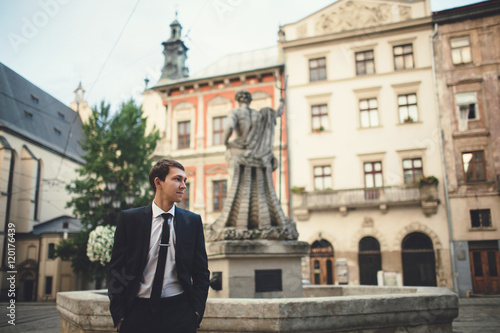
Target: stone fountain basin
[(322, 309)]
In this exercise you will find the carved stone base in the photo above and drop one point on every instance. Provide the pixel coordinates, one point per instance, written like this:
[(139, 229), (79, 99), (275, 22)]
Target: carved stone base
[(240, 263)]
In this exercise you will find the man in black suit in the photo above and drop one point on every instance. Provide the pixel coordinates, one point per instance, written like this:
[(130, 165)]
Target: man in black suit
[(158, 276)]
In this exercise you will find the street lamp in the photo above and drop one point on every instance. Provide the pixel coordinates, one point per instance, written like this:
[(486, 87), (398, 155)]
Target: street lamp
[(110, 199)]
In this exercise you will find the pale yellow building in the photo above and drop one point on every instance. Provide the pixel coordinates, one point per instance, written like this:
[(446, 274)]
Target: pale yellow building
[(363, 131)]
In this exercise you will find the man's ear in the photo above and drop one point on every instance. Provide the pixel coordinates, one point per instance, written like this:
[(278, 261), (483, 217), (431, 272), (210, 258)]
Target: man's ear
[(157, 183)]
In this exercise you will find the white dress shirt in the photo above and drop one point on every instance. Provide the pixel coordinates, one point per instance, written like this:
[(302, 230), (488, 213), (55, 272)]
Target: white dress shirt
[(171, 285)]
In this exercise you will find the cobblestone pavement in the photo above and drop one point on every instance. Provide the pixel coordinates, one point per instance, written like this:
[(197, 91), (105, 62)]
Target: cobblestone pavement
[(476, 315), (41, 317)]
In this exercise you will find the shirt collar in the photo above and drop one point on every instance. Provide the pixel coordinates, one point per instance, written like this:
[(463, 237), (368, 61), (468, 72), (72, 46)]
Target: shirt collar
[(157, 211)]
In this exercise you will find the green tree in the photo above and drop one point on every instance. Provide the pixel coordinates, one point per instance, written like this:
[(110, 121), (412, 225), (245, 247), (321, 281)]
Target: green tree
[(116, 147)]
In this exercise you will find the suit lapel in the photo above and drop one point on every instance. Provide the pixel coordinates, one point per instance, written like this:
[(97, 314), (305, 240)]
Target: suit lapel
[(145, 227)]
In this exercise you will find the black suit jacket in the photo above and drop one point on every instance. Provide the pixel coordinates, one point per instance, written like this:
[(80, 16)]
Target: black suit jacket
[(129, 258)]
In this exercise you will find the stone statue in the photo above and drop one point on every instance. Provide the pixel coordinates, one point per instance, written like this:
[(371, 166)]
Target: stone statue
[(251, 209)]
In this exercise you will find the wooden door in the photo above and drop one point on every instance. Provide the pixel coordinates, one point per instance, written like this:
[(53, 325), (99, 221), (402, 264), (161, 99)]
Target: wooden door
[(322, 270), (485, 267)]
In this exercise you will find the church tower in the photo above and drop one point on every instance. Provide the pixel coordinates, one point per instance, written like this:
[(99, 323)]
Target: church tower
[(80, 105), (175, 55)]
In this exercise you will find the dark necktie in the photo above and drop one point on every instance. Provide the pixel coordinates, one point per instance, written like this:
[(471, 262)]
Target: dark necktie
[(160, 265)]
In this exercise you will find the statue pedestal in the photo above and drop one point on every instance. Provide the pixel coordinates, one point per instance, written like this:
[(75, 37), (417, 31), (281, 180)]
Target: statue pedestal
[(257, 268)]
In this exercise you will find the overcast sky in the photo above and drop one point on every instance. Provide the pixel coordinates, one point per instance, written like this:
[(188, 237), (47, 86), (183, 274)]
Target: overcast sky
[(112, 45)]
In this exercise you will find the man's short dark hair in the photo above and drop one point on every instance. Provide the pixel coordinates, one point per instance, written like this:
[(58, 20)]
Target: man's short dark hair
[(161, 170)]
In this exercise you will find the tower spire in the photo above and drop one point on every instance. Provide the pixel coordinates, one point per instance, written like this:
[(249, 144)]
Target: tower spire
[(175, 54)]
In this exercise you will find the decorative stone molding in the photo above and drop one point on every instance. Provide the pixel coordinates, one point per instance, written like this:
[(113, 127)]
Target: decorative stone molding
[(353, 15), (417, 227)]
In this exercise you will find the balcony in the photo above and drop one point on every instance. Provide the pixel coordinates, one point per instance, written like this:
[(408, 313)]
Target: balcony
[(346, 199)]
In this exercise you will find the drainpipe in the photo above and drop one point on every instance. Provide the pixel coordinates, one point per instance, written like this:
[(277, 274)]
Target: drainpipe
[(443, 163), (37, 190)]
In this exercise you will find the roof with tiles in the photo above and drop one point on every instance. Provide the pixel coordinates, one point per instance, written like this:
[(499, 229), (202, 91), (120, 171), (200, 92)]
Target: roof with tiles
[(32, 114)]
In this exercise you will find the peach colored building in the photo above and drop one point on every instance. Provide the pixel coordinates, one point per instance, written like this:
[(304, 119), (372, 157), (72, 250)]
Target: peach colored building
[(190, 113)]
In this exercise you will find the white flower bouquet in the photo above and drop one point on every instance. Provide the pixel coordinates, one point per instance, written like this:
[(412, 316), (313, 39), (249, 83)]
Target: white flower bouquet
[(100, 244)]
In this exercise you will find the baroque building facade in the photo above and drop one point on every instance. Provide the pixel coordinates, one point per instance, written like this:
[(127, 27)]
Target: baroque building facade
[(363, 133), (467, 62), (39, 153), (190, 112)]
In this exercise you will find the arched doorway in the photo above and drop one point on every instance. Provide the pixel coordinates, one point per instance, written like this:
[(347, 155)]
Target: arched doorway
[(28, 287), (370, 260), (419, 262), (322, 265)]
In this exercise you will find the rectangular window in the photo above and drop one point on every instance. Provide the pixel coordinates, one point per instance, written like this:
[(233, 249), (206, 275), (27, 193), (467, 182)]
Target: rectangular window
[(317, 69), (368, 110), (373, 174), (474, 166), (322, 177), (184, 134), (365, 63), (48, 285), (51, 253), (220, 193), (319, 117), (407, 106), (460, 50), (480, 218), (403, 57), (219, 123), (184, 204), (412, 170), (467, 105), (373, 179)]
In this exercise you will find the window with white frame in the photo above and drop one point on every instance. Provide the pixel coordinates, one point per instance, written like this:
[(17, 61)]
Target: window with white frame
[(365, 62), (183, 134), (368, 112), (460, 50), (407, 106), (403, 56), (319, 117), (219, 194), (412, 170), (317, 69), (467, 105), (219, 123), (322, 177)]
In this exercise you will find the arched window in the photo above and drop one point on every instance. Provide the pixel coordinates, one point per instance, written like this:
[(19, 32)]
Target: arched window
[(419, 262), (370, 260), (322, 267)]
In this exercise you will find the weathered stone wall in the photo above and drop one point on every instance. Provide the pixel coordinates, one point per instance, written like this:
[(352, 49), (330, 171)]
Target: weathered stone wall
[(368, 309)]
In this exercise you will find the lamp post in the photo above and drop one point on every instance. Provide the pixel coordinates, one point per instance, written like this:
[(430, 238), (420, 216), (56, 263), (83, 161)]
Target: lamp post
[(110, 199)]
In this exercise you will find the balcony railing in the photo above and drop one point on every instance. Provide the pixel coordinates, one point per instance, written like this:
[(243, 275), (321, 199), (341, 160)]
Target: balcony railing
[(356, 198)]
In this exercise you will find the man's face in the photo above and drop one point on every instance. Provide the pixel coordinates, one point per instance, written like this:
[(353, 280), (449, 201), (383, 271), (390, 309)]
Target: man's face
[(173, 187)]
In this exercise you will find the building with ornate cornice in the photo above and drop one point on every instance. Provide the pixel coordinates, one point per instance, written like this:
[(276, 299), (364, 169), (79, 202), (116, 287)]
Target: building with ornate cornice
[(362, 134), (190, 113), (467, 61)]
